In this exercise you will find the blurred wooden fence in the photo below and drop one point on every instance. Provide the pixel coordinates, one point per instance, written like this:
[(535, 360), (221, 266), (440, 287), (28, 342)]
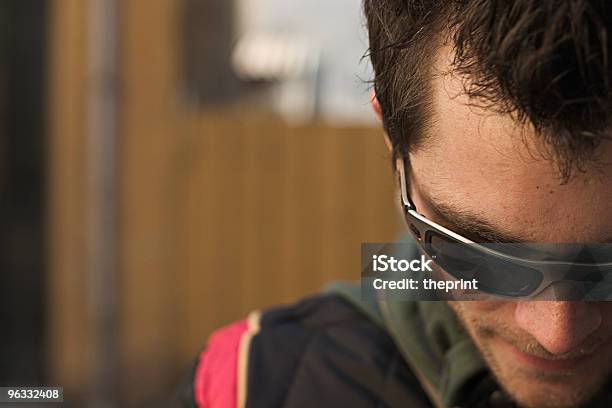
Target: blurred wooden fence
[(218, 213)]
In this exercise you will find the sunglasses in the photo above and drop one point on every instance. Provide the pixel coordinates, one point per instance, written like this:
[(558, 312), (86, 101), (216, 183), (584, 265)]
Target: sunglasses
[(512, 270)]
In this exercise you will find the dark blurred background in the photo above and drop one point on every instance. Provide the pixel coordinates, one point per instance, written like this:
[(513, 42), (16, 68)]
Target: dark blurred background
[(167, 166), (23, 177)]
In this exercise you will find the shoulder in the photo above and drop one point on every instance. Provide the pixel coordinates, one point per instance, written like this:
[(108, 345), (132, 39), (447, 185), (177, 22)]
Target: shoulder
[(321, 350)]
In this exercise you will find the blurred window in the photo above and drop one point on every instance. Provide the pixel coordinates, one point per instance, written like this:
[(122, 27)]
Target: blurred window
[(301, 58)]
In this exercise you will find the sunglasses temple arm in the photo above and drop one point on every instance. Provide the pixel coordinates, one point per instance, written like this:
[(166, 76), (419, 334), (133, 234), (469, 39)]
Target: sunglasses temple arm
[(404, 185)]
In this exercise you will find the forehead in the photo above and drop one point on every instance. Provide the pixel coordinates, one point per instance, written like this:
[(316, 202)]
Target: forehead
[(494, 167)]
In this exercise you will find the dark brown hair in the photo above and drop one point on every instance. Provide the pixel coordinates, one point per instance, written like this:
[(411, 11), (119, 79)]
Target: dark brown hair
[(544, 62)]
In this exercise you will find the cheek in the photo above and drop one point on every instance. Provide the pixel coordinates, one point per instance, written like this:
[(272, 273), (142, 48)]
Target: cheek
[(481, 308), (482, 320), (479, 314)]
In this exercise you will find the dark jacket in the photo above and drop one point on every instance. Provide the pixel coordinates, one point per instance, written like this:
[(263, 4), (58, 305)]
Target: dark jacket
[(333, 350)]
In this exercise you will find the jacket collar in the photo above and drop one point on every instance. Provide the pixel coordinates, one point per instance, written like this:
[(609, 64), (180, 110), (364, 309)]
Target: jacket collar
[(431, 339)]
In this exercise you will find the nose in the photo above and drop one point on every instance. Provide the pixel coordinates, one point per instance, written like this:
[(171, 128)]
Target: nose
[(559, 327)]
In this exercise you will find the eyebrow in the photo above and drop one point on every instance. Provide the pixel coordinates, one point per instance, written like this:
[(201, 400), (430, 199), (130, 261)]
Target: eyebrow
[(469, 225)]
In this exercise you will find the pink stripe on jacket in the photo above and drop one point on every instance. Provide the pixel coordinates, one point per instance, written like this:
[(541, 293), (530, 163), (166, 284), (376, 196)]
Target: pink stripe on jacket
[(216, 379)]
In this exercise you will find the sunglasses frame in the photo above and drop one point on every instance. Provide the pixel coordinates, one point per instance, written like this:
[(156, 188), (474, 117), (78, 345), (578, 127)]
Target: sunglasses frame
[(423, 229)]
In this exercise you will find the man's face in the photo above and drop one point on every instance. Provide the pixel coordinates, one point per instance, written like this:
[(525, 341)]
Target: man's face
[(486, 168)]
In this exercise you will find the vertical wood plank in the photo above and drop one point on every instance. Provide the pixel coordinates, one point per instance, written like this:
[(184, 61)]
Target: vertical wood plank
[(149, 239), (68, 327)]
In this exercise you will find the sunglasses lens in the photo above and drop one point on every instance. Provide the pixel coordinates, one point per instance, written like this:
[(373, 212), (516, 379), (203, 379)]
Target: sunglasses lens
[(494, 275)]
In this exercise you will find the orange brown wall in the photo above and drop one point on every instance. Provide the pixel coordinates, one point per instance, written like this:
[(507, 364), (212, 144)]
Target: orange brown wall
[(218, 213)]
